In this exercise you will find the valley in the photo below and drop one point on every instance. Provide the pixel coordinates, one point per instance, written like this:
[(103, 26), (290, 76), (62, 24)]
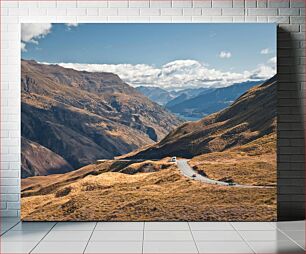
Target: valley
[(225, 169), (250, 117)]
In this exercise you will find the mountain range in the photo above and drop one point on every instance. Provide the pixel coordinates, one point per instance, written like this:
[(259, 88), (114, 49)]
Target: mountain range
[(73, 118), (156, 94), (251, 116), (195, 103), (209, 101), (169, 97)]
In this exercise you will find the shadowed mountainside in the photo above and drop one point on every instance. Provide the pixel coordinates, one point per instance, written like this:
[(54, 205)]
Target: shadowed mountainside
[(33, 163), (251, 116), (83, 116)]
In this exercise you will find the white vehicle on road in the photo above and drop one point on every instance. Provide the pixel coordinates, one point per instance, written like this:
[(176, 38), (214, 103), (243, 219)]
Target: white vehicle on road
[(173, 159)]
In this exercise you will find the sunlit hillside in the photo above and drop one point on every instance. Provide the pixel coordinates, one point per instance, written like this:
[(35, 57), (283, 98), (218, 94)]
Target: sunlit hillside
[(163, 195)]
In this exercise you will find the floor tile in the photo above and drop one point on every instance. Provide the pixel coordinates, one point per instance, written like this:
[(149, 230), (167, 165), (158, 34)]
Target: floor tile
[(23, 236), (68, 226), (263, 235), (301, 243), (276, 247), (297, 236), (223, 247), (3, 230), (17, 247), (291, 225), (169, 247), (33, 226), (211, 226), (69, 236), (167, 236), (253, 226), (114, 247), (166, 226), (107, 236), (60, 247), (119, 226), (8, 224), (216, 236)]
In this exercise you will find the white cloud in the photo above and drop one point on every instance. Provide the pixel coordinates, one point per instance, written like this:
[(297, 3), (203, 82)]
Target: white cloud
[(32, 32), (272, 60), (177, 74), (225, 54), (72, 24), (265, 51), (23, 46), (263, 72)]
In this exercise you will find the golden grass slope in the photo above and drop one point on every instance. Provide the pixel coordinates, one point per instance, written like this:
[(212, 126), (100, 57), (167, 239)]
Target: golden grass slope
[(161, 195), (251, 164)]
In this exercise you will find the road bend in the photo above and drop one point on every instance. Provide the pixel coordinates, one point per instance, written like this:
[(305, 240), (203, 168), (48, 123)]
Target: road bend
[(189, 172)]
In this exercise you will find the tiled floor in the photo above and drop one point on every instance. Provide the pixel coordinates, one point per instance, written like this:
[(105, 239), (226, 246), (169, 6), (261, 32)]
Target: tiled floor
[(152, 237)]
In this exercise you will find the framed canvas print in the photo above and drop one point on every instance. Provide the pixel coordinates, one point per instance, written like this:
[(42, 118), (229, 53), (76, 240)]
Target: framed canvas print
[(148, 122)]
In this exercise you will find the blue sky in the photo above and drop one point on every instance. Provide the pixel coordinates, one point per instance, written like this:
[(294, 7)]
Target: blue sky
[(224, 47)]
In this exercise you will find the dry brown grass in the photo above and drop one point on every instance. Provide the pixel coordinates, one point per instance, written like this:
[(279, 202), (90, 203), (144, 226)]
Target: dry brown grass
[(164, 195), (251, 164)]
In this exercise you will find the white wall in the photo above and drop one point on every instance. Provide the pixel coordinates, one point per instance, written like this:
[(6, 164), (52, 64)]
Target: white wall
[(288, 13)]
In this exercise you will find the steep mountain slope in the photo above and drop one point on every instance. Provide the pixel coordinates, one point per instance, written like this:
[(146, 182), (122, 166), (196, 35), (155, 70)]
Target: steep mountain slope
[(251, 116), (38, 160), (210, 101), (83, 116), (155, 94)]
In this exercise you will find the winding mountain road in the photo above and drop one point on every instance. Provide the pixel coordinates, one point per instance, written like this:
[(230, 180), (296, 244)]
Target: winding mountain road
[(187, 171)]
